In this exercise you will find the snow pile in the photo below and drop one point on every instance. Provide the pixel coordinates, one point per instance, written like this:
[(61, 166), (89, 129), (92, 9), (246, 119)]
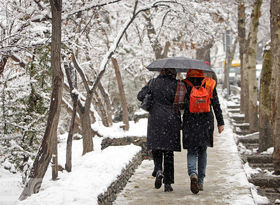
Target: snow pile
[(138, 129), (91, 176), (10, 187), (258, 198), (268, 151), (250, 171)]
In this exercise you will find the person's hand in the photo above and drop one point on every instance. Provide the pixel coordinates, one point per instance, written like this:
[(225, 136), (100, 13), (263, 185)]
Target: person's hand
[(221, 128)]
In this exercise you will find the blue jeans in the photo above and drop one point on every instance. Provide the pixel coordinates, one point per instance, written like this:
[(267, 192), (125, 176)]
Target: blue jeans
[(197, 154)]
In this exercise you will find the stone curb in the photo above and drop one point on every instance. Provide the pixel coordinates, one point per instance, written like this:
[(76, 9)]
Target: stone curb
[(139, 141), (117, 186)]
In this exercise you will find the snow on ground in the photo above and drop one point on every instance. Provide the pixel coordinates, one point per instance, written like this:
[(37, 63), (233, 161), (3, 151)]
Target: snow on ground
[(138, 129), (9, 187), (91, 174), (258, 199)]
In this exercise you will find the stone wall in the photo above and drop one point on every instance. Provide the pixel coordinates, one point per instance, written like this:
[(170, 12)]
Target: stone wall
[(116, 187), (139, 141)]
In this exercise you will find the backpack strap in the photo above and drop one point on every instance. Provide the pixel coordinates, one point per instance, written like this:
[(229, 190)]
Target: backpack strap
[(203, 82), (189, 82), (210, 85)]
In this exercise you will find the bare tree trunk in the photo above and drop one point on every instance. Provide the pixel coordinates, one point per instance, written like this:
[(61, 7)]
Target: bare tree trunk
[(225, 75), (241, 40), (166, 49), (71, 77), (231, 55), (275, 49), (70, 111), (105, 110), (265, 123), (44, 155), (204, 53), (157, 48), (101, 108), (86, 130), (122, 94), (68, 163), (54, 157), (252, 58), (245, 85), (3, 62), (107, 103), (84, 112)]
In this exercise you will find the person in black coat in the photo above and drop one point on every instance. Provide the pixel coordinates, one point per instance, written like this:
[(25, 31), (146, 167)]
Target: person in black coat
[(198, 130), (164, 122)]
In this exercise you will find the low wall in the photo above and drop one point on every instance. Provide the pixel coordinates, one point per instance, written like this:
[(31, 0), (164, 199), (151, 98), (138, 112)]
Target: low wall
[(117, 186), (139, 141)]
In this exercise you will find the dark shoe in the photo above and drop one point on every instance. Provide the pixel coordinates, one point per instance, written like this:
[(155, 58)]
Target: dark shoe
[(154, 173), (194, 184), (200, 187), (158, 181), (168, 188)]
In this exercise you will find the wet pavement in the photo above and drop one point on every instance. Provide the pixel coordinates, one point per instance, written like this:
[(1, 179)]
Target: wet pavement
[(225, 181)]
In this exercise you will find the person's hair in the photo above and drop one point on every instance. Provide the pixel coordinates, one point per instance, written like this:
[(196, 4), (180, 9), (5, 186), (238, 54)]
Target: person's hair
[(169, 72)]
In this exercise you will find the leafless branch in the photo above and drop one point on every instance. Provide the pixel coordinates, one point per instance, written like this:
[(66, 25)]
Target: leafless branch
[(118, 39), (162, 22), (39, 4), (94, 6), (135, 7), (81, 72)]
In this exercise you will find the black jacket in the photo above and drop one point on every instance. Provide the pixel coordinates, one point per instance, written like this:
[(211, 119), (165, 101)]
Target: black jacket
[(164, 121), (198, 128)]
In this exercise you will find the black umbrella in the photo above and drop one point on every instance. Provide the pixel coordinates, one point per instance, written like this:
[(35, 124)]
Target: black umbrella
[(181, 64)]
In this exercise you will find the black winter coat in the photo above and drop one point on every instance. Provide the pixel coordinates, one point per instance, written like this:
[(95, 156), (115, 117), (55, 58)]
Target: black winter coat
[(164, 120), (198, 128)]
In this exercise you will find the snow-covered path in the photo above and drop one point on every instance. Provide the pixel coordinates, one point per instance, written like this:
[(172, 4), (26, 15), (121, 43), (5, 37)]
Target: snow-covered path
[(225, 181)]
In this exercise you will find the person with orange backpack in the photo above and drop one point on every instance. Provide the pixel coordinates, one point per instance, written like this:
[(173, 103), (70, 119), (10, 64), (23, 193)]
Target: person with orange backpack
[(198, 123)]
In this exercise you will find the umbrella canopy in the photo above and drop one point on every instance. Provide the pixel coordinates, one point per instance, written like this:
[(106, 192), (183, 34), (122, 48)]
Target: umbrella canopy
[(181, 64)]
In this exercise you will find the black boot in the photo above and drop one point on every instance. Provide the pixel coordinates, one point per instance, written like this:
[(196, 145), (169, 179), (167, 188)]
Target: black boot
[(158, 181), (168, 188), (154, 174)]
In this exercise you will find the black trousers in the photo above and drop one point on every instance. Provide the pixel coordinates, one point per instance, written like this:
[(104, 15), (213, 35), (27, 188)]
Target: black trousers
[(167, 159)]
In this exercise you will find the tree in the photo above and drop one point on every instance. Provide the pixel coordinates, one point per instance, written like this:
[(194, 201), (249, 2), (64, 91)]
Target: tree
[(265, 112), (44, 155), (275, 50), (72, 79), (159, 51), (250, 67), (241, 40), (84, 111), (230, 58), (122, 94)]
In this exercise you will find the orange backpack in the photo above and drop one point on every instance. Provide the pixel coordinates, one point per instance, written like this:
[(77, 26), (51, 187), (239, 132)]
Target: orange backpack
[(200, 95)]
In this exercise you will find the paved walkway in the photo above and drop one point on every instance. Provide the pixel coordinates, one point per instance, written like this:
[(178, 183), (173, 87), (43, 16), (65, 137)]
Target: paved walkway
[(225, 181)]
